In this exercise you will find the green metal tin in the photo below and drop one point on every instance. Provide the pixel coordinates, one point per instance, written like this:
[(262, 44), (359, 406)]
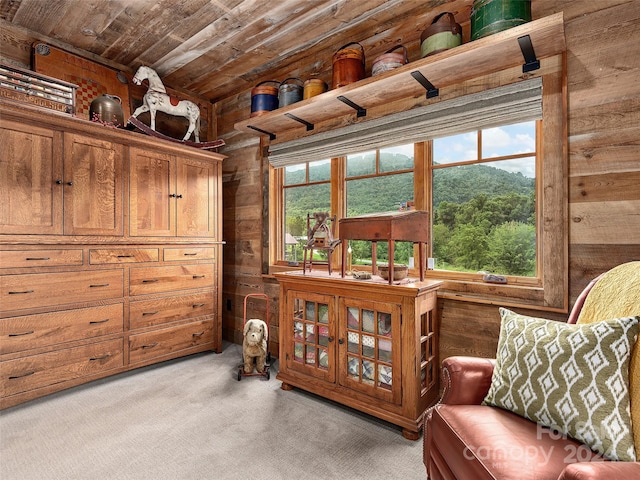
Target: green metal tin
[(493, 16)]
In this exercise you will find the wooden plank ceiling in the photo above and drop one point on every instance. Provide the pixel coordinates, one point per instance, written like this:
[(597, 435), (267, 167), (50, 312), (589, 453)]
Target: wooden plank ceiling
[(218, 48)]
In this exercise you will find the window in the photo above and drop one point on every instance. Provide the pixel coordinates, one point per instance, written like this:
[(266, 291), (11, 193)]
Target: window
[(483, 201), (496, 192), (306, 189)]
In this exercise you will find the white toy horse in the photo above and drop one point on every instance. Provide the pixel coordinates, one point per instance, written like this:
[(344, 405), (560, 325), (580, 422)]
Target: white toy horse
[(157, 98)]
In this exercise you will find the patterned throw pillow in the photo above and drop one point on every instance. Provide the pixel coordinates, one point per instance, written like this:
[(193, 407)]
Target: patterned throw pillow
[(573, 378)]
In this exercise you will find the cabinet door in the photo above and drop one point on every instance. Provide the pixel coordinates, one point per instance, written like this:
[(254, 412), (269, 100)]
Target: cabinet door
[(30, 180), (92, 186), (195, 200), (370, 343), (310, 346), (152, 196)]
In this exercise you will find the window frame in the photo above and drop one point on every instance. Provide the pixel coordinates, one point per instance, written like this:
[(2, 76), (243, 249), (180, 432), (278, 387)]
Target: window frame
[(547, 291)]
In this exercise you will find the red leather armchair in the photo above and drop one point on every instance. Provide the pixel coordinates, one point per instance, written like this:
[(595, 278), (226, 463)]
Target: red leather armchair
[(464, 440)]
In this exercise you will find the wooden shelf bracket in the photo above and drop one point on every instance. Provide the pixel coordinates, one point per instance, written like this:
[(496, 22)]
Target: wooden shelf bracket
[(530, 61), (422, 80), (362, 112)]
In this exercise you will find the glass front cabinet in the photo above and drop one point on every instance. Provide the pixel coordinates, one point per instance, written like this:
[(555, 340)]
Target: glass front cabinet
[(367, 345)]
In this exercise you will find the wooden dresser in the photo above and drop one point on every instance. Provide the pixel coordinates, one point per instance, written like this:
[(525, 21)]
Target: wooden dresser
[(110, 251), (366, 344)]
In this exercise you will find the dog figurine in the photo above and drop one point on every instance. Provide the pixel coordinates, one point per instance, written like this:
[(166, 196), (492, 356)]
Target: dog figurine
[(254, 345)]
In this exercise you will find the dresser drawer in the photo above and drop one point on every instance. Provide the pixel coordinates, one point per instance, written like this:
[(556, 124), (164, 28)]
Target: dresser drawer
[(199, 253), (46, 289), (145, 280), (146, 313), (34, 331), (28, 373), (166, 341), (39, 258), (101, 256)]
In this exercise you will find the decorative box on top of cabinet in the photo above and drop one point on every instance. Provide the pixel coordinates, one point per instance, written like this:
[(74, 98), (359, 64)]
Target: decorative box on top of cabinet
[(366, 344), (99, 272)]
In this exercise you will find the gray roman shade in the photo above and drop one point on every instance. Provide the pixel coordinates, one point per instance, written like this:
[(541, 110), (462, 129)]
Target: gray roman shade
[(517, 102)]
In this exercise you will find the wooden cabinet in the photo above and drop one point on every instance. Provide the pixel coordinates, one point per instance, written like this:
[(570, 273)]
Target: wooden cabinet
[(45, 191), (30, 179), (84, 294), (171, 196), (93, 184), (366, 344)]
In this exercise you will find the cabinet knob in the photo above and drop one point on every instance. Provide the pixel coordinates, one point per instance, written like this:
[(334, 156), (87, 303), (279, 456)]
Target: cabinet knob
[(330, 339), (341, 341), (173, 195), (58, 182), (179, 196), (69, 183)]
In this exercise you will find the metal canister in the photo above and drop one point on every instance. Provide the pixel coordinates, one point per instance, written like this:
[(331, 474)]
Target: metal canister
[(107, 109), (348, 65), (313, 87), (493, 16), (389, 60), (443, 33), (290, 91), (264, 98)]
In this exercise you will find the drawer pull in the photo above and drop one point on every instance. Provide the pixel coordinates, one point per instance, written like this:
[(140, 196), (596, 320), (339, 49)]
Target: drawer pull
[(37, 258), (153, 280), (126, 256), (151, 345), (103, 357), (198, 334), (94, 322), (20, 293), (149, 313), (13, 377), (96, 285), (189, 254), (199, 276), (197, 305), (21, 334)]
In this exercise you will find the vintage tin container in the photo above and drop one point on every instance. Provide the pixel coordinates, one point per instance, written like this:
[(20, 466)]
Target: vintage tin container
[(348, 65), (313, 87), (289, 92), (443, 33), (107, 109), (264, 98), (493, 16), (389, 60)]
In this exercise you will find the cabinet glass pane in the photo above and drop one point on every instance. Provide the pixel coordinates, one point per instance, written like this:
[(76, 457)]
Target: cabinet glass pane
[(367, 321), (310, 354), (384, 324), (368, 346), (353, 318), (384, 350), (384, 376), (353, 342), (298, 352), (311, 333), (310, 310), (297, 308), (297, 330), (368, 371), (323, 313), (323, 359), (323, 336), (353, 367)]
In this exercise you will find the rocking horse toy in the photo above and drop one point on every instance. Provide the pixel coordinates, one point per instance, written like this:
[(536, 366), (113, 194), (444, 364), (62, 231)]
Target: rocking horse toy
[(157, 99)]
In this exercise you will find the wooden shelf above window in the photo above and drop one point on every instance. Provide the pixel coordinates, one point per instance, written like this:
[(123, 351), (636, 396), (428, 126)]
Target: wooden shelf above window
[(481, 57)]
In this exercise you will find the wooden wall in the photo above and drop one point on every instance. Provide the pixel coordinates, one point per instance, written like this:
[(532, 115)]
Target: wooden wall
[(604, 174), (604, 160)]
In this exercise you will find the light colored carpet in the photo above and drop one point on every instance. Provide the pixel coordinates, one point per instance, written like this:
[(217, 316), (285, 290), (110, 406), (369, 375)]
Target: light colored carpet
[(191, 419)]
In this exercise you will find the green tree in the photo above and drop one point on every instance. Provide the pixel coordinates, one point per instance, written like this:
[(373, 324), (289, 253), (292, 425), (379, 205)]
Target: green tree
[(512, 249)]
